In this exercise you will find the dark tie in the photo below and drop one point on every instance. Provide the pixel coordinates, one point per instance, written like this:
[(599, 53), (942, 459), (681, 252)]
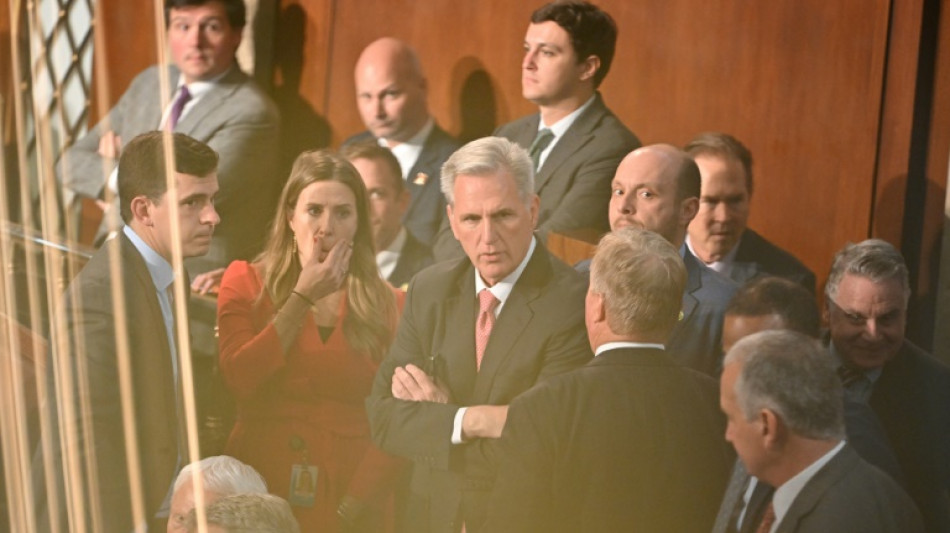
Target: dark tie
[(768, 518), (849, 376), (541, 142), (183, 98), (484, 323)]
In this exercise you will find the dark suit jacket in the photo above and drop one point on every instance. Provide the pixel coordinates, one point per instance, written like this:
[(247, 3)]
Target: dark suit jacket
[(92, 330), (848, 495), (630, 442), (539, 333), (696, 341), (758, 257), (236, 119), (427, 209), (574, 181), (912, 400), (413, 257)]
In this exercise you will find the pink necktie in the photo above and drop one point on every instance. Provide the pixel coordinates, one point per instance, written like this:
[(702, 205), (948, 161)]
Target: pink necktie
[(486, 319), (183, 97)]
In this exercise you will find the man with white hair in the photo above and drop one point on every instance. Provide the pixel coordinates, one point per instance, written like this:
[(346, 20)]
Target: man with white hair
[(782, 400), (221, 476)]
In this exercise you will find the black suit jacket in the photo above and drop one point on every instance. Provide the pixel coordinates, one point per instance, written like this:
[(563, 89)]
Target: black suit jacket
[(758, 257), (92, 329), (848, 495), (574, 181), (912, 400), (630, 442), (427, 208), (413, 257), (539, 333)]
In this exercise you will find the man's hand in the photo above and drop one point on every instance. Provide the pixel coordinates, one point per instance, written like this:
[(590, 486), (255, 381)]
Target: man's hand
[(484, 421), (110, 145), (412, 384), (208, 282)]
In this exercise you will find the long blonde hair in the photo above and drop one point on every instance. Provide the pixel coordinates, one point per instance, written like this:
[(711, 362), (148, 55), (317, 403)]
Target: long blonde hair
[(371, 317)]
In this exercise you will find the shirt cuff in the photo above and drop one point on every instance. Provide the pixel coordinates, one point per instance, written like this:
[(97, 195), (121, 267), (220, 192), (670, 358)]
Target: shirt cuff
[(457, 426)]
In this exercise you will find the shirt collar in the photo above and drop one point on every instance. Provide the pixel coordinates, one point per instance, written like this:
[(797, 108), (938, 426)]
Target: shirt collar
[(785, 495), (386, 260), (626, 344), (502, 289), (872, 373), (199, 88), (724, 265), (407, 153), (159, 269), (560, 127)]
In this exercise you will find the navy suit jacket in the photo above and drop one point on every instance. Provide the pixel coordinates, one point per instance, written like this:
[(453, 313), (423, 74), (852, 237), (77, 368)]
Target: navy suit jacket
[(848, 495), (427, 209), (538, 333), (630, 442), (757, 257)]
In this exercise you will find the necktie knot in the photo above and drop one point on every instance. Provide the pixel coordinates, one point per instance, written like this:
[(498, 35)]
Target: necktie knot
[(541, 141), (487, 302), (849, 375), (184, 96)]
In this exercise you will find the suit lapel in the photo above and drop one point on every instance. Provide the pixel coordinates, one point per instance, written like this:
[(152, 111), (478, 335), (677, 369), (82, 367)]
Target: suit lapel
[(428, 158), (579, 134), (215, 97), (513, 320), (693, 283), (817, 486)]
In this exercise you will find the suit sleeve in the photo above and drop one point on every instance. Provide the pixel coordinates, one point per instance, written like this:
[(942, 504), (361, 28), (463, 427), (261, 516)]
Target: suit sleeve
[(420, 431)]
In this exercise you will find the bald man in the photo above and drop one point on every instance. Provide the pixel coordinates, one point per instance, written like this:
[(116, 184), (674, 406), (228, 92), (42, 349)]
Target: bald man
[(657, 188), (391, 92)]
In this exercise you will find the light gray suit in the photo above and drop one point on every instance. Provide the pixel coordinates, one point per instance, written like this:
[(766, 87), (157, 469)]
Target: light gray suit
[(235, 118)]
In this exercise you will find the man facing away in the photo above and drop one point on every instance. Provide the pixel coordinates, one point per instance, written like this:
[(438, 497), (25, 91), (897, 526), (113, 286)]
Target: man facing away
[(719, 236), (221, 475), (399, 255), (631, 441), (866, 309), (782, 399), (391, 94), (475, 333), (212, 101), (120, 314)]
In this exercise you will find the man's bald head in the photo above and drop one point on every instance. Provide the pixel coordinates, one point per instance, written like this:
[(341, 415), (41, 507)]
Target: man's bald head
[(656, 187), (391, 90)]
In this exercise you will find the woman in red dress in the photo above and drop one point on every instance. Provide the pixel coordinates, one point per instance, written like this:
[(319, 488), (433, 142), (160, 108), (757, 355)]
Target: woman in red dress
[(302, 330)]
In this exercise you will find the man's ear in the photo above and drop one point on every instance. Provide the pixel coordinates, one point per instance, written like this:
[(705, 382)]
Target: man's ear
[(773, 429), (141, 208), (589, 67), (688, 209)]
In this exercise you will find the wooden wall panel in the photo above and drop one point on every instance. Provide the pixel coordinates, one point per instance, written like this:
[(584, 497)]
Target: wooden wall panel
[(799, 81)]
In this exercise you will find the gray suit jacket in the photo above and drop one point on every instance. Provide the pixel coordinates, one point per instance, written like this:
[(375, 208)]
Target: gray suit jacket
[(236, 119), (848, 495), (696, 341), (574, 181), (539, 333)]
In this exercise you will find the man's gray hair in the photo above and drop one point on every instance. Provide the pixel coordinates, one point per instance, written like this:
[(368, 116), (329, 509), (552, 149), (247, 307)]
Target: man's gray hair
[(641, 277), (248, 513), (792, 375), (873, 259), (224, 475), (489, 156)]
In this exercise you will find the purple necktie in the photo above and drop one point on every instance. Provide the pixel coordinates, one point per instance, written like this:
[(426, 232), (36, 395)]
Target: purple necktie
[(183, 97)]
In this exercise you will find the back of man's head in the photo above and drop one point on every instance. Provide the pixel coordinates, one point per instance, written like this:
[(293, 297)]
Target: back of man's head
[(142, 170), (235, 9), (593, 31), (248, 513), (641, 278), (785, 299), (375, 152), (224, 475), (792, 375)]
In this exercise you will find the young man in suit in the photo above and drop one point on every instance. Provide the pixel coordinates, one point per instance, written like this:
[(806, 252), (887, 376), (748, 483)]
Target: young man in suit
[(391, 94), (120, 314), (783, 403), (718, 235), (574, 139), (657, 188), (475, 333), (866, 309), (629, 440), (211, 100), (399, 255)]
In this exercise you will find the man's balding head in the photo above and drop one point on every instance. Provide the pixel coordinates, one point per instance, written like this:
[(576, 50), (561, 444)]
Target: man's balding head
[(655, 188), (391, 90)]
